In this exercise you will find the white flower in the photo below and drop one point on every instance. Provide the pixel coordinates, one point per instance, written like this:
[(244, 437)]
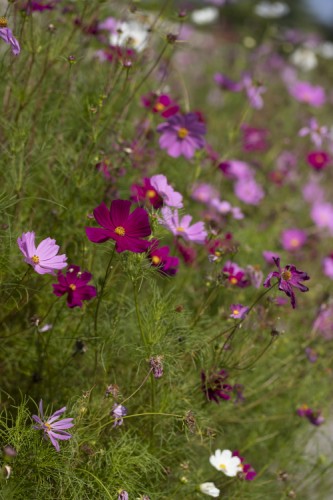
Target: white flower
[(304, 58), (271, 10), (132, 34), (209, 489), (226, 463), (325, 50), (205, 16)]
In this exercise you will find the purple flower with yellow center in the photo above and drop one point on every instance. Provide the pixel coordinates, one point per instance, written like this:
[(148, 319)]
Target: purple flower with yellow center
[(75, 284), (236, 275), (214, 386), (238, 311), (181, 227), (7, 36), (288, 278), (53, 427), (118, 224), (44, 258), (161, 259), (293, 239), (182, 135), (318, 160)]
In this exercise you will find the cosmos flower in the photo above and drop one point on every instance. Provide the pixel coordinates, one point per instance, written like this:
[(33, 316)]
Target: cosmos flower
[(293, 239), (317, 132), (53, 427), (118, 412), (131, 34), (248, 473), (170, 197), (323, 323), (74, 283), (209, 489), (322, 215), (44, 258), (314, 416), (182, 135), (236, 170), (238, 311), (7, 36), (328, 266), (161, 259), (314, 95), (214, 386), (181, 227), (236, 275), (161, 104), (224, 461), (254, 139), (318, 160), (249, 191), (253, 90), (125, 228), (204, 192), (225, 83), (288, 278)]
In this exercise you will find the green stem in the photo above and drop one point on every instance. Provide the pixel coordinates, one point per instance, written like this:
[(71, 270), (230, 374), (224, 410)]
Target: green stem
[(102, 290), (138, 315)]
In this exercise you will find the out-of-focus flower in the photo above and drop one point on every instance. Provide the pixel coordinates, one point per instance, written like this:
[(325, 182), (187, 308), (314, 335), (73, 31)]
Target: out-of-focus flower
[(127, 230), (118, 412), (236, 275), (293, 239), (311, 354), (254, 139), (209, 489), (224, 461), (255, 275), (160, 258), (7, 36), (161, 104), (248, 473), (204, 192), (317, 132), (45, 328), (325, 50), (130, 34), (322, 215), (304, 58), (238, 311), (182, 135), (314, 416), (236, 170), (313, 192), (53, 427), (271, 10), (318, 160), (253, 90), (7, 470), (249, 192), (314, 95), (270, 256), (323, 323), (44, 258), (123, 495), (288, 278), (181, 227), (214, 386), (207, 15), (225, 83), (75, 284), (9, 451), (328, 266)]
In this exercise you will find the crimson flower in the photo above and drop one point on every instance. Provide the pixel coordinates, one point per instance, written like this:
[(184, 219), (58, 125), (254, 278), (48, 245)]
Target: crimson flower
[(214, 386), (75, 285), (118, 224)]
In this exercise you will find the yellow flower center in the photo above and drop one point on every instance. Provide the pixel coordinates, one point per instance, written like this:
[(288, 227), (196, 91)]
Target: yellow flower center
[(120, 230), (72, 286), (235, 312), (223, 467), (294, 242), (233, 280), (180, 229), (35, 259), (3, 22), (151, 193), (286, 275), (304, 407), (155, 260), (159, 106), (182, 133), (48, 426)]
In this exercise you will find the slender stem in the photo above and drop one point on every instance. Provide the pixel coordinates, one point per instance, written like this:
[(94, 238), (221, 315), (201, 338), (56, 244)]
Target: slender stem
[(138, 315), (203, 307), (102, 290), (138, 388), (142, 415)]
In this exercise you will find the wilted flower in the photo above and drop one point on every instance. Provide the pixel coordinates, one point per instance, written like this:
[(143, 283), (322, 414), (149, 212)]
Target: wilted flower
[(75, 284), (214, 386), (7, 36), (118, 412), (288, 278), (224, 461), (209, 489), (182, 135), (127, 230), (156, 364), (44, 258), (181, 227), (52, 429)]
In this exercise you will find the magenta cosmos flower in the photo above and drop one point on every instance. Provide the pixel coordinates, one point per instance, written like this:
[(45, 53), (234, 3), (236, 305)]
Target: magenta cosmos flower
[(314, 416), (318, 160), (157, 192), (44, 258), (127, 230), (289, 277), (181, 227), (235, 274), (293, 239), (161, 104), (310, 94), (254, 139), (75, 285), (248, 473), (182, 135), (7, 36), (52, 428), (160, 258), (214, 386)]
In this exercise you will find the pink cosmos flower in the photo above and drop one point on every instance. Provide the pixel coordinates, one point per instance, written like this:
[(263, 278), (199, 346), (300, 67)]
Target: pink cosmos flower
[(44, 258), (254, 139), (322, 215), (7, 36), (52, 429), (317, 133), (253, 91), (170, 197), (161, 104), (324, 321), (238, 311), (204, 192), (160, 258), (127, 230), (249, 191), (313, 192), (293, 239), (182, 135), (314, 95), (328, 266), (181, 227), (75, 285), (236, 170), (318, 160), (236, 275), (288, 278), (270, 256)]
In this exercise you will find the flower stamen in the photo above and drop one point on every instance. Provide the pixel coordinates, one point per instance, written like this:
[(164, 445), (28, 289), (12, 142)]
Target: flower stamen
[(120, 230)]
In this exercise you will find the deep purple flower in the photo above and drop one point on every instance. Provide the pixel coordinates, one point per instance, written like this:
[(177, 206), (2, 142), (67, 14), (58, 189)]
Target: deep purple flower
[(182, 135), (161, 259), (310, 94), (52, 429), (248, 473), (37, 6), (127, 230), (238, 311), (118, 412), (235, 274), (293, 239), (75, 285), (254, 139), (214, 386), (44, 258), (7, 36), (225, 83), (181, 227), (318, 160), (161, 104), (314, 416), (288, 278)]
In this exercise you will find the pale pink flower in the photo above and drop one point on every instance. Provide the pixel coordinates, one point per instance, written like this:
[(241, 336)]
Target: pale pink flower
[(181, 227), (44, 258)]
